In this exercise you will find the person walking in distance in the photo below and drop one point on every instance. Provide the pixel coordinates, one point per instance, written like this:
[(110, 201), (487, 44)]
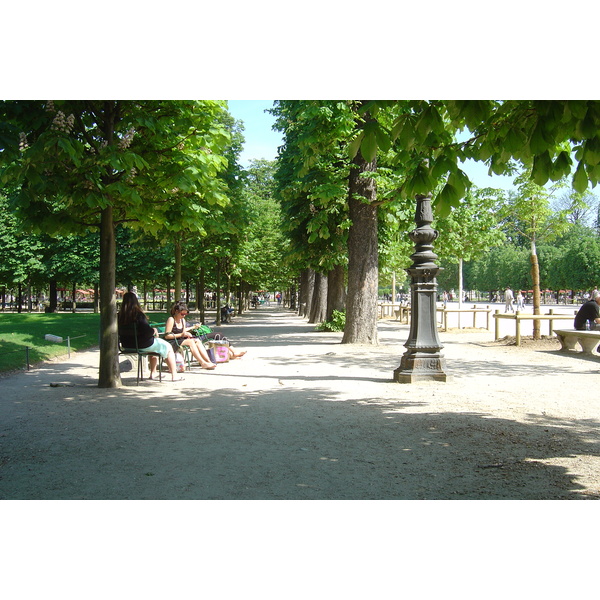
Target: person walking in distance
[(508, 300), (520, 300)]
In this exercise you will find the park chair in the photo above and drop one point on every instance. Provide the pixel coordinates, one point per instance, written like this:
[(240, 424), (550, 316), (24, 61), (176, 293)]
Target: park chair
[(139, 353)]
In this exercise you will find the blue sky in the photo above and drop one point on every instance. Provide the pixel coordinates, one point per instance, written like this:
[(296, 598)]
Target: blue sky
[(262, 141)]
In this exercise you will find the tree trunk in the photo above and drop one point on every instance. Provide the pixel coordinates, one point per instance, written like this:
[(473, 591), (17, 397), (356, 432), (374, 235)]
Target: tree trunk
[(29, 300), (535, 278), (74, 303), (201, 284), (318, 309), (361, 305), (218, 303), (460, 288), (19, 298), (310, 286), (52, 297), (96, 298), (177, 271), (109, 376), (336, 291), (303, 292)]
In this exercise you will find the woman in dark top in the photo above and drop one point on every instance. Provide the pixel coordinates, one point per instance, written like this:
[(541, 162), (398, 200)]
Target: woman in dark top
[(131, 312), (177, 333), (588, 313)]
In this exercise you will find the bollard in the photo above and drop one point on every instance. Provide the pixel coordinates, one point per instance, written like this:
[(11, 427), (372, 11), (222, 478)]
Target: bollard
[(497, 326), (518, 328)]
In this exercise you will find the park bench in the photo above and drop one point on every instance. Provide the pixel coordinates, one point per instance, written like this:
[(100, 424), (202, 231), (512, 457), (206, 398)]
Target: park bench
[(587, 340)]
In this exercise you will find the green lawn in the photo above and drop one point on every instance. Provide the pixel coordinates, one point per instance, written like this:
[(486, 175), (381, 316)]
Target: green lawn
[(18, 331)]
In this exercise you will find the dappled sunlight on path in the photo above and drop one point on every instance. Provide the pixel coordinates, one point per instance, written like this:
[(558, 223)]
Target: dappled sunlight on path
[(302, 416)]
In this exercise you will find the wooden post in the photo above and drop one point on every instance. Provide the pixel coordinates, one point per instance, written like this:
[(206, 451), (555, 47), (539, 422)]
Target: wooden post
[(518, 328), (497, 325), (487, 320), (550, 324)]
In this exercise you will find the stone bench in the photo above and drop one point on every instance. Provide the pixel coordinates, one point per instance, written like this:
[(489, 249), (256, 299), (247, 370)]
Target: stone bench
[(587, 340)]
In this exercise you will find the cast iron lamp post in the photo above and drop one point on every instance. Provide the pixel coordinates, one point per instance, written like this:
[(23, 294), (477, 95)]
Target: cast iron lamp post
[(422, 360)]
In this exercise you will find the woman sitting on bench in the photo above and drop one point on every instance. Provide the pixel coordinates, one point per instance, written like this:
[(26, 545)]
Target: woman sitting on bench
[(177, 333), (131, 312)]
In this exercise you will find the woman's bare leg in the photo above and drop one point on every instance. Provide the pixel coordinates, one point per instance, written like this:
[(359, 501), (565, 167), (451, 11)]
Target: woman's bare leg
[(197, 354), (236, 353), (172, 364), (152, 364)]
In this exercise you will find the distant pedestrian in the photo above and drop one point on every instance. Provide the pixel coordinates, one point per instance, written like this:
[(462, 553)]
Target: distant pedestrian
[(508, 300), (520, 300)]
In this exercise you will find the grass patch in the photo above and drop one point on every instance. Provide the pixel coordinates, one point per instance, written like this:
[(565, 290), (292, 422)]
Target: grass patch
[(18, 331)]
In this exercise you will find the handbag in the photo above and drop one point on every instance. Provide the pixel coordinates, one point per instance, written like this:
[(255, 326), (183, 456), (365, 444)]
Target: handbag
[(201, 331), (221, 353), (211, 355), (220, 346)]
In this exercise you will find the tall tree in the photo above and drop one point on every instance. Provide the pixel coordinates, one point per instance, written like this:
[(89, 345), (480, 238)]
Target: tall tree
[(94, 164), (470, 229), (535, 221)]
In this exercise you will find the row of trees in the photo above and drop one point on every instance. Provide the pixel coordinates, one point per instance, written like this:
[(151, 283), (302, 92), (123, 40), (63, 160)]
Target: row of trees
[(346, 180), (166, 171), (349, 171)]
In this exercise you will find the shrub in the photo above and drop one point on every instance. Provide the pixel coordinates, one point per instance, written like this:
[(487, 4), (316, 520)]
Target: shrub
[(337, 322)]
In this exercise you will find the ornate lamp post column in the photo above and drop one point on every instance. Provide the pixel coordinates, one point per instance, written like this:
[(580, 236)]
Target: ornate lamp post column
[(422, 360)]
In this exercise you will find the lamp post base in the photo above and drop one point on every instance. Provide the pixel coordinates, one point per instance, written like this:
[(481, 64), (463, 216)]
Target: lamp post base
[(414, 369)]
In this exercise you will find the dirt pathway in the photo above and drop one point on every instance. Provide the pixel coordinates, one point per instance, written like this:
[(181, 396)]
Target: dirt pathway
[(303, 417)]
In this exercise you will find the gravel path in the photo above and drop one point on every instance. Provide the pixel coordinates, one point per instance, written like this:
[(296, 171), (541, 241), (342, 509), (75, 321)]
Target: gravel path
[(303, 417)]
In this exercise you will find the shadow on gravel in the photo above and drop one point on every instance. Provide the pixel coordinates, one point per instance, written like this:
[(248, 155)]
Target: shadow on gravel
[(76, 441), (293, 443)]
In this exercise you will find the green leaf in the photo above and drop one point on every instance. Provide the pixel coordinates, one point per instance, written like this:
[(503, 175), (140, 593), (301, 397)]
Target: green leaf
[(383, 139), (441, 166), (591, 151), (355, 145), (459, 182), (541, 168), (537, 141), (66, 145), (368, 147), (447, 198), (421, 182), (561, 167), (580, 179)]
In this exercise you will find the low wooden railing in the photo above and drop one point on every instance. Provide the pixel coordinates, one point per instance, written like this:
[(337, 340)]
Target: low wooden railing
[(517, 317)]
